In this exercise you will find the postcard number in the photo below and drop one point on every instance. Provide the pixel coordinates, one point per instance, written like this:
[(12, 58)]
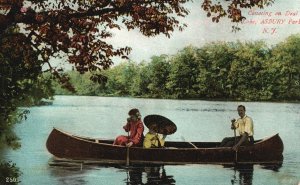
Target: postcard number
[(11, 179)]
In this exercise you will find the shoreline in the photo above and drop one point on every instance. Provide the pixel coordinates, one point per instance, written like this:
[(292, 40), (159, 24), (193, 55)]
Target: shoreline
[(201, 99)]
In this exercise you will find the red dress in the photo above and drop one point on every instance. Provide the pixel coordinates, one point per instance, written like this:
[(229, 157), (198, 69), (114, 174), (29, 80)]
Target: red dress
[(136, 134)]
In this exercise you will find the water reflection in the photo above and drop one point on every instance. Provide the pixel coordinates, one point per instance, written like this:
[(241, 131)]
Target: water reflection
[(243, 173), (76, 173), (274, 167), (69, 175), (154, 175)]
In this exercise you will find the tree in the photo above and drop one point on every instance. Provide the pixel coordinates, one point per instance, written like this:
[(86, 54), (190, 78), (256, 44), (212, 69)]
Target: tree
[(34, 31), (159, 68), (8, 169), (284, 69), (215, 61), (224, 70), (245, 77), (78, 29), (233, 10), (22, 83), (183, 74), (140, 85), (121, 78)]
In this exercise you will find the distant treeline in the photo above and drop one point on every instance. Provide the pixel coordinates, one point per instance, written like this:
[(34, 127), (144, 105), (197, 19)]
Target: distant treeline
[(248, 71)]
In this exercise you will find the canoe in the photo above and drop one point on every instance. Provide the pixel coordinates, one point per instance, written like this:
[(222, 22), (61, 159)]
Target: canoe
[(64, 145)]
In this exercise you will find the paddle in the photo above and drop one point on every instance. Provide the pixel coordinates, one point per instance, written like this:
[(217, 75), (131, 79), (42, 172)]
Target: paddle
[(236, 152), (235, 139), (127, 153), (188, 142)]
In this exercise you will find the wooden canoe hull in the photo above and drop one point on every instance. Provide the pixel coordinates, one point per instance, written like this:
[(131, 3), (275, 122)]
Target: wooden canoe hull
[(67, 146)]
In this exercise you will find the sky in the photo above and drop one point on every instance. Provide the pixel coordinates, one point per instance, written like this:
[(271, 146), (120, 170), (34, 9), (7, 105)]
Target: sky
[(201, 30)]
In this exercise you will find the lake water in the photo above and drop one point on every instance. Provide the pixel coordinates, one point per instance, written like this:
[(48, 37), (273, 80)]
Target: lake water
[(196, 121)]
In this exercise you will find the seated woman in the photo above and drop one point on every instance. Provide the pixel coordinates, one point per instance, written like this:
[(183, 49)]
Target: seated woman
[(135, 126), (153, 139)]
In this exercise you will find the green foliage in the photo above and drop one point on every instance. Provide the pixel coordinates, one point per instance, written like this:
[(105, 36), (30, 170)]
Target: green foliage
[(79, 30), (22, 84), (183, 74), (215, 62), (284, 69), (158, 70), (140, 86), (121, 79), (9, 173), (246, 67), (249, 71)]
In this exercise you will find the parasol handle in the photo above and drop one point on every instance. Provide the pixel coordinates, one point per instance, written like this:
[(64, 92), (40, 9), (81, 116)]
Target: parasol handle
[(158, 141)]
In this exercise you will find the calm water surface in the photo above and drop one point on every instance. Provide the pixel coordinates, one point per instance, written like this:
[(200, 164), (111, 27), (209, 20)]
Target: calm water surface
[(196, 121)]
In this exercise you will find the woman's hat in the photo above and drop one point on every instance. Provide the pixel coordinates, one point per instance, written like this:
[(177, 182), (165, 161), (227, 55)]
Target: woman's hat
[(135, 112)]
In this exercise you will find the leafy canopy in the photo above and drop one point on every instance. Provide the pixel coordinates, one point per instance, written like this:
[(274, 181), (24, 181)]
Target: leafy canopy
[(78, 29)]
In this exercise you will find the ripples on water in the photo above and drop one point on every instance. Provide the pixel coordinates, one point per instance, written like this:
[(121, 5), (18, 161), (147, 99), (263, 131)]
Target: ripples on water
[(154, 174), (202, 110), (196, 121), (134, 174)]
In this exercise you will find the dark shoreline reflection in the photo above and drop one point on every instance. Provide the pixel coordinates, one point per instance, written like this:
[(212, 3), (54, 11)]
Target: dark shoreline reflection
[(68, 173), (244, 176), (243, 173), (154, 175), (136, 175), (146, 174)]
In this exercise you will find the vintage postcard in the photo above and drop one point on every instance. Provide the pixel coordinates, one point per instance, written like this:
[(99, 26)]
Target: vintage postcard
[(150, 92)]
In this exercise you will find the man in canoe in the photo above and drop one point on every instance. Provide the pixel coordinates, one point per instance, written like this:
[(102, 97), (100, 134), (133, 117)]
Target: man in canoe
[(244, 124), (135, 127), (153, 139)]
